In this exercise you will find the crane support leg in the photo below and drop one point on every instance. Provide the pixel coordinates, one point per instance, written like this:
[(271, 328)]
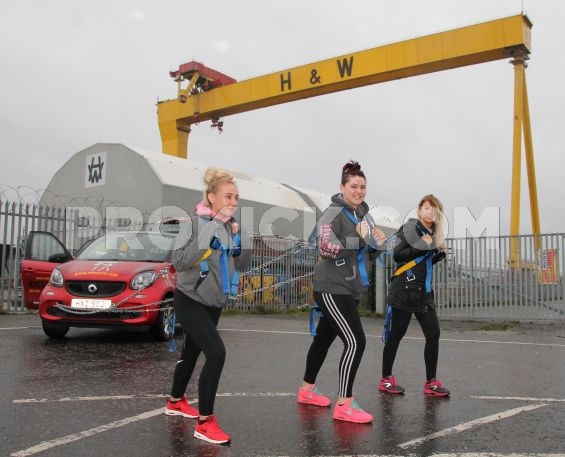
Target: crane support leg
[(519, 70), (531, 170), (522, 124)]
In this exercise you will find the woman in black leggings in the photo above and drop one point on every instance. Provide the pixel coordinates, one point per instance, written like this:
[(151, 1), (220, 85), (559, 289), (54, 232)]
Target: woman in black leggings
[(339, 277), (421, 244), (199, 326), (208, 253)]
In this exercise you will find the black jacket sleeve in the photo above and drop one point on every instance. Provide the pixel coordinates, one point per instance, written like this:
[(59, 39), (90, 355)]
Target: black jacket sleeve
[(411, 244)]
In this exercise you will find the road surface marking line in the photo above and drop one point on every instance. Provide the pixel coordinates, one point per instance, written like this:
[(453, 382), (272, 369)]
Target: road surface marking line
[(418, 338), (493, 397), (93, 398), (148, 396), (492, 454), (467, 425), (120, 423), (85, 434)]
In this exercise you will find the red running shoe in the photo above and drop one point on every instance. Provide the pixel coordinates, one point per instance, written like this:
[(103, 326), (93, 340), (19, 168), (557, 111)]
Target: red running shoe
[(181, 408), (435, 387), (210, 431), (312, 397), (390, 386)]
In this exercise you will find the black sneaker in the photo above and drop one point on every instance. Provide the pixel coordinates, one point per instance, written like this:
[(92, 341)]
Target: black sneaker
[(390, 386), (435, 387)]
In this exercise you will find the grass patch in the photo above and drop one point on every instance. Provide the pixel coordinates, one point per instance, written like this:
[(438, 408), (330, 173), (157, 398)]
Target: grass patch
[(499, 326), (261, 309), (282, 311)]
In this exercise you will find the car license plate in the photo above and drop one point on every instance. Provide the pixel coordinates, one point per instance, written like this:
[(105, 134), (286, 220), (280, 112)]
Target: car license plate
[(87, 303)]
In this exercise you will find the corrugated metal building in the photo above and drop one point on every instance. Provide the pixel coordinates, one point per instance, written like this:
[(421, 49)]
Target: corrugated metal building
[(116, 180)]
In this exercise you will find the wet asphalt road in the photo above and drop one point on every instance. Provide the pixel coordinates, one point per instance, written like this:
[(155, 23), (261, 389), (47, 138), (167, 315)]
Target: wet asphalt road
[(102, 393)]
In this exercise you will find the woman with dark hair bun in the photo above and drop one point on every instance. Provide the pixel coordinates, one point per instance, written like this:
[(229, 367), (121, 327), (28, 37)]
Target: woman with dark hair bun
[(344, 237)]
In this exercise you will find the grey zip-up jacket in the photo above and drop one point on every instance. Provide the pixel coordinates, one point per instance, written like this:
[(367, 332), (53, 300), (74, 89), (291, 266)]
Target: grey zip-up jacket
[(188, 254), (336, 271)]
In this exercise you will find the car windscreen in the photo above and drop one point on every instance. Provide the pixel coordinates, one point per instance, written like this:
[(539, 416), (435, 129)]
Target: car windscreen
[(134, 247)]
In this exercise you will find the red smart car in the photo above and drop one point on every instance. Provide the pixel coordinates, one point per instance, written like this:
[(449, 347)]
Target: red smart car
[(120, 280)]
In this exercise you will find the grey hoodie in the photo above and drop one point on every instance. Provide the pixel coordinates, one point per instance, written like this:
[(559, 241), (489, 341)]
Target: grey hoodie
[(192, 242), (336, 271)]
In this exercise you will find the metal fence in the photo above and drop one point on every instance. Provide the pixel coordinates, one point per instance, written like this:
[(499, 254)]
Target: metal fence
[(516, 278), (508, 278)]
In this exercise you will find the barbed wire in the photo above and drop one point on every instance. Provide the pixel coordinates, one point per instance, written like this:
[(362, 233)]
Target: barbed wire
[(36, 196)]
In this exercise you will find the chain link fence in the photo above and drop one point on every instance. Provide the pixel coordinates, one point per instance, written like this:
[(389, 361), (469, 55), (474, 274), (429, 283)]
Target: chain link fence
[(502, 278)]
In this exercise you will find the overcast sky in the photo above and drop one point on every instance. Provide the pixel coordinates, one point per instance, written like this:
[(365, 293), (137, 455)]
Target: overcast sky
[(76, 73)]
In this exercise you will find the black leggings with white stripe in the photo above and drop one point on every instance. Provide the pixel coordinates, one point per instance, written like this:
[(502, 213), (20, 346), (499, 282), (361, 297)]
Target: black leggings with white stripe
[(341, 318)]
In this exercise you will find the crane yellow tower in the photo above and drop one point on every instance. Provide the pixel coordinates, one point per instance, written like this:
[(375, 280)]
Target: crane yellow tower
[(211, 95)]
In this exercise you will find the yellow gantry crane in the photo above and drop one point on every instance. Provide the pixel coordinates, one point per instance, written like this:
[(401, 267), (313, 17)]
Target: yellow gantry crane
[(211, 95)]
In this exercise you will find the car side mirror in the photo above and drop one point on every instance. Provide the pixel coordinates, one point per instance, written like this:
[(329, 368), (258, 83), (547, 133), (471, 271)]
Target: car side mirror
[(59, 257)]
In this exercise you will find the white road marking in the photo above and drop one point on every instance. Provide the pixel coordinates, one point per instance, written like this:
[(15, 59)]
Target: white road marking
[(465, 454), (95, 398), (461, 427), (493, 397), (418, 338), (131, 397), (247, 394), (467, 425), (120, 423), (368, 336), (493, 454), (86, 433), (517, 343), (19, 328)]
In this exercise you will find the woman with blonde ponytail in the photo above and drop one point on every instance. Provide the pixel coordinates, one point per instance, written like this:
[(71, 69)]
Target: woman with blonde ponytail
[(208, 255), (421, 245)]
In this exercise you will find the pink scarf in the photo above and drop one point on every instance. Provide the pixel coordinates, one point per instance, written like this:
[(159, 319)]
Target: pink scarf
[(203, 210)]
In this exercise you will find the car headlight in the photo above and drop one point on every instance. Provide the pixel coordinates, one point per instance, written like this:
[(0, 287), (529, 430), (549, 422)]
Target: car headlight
[(56, 278), (143, 280)]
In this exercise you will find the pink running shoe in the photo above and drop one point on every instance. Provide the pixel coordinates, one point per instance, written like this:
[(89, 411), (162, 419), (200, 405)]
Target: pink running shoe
[(210, 431), (390, 386), (312, 397), (350, 411), (181, 408), (435, 387)]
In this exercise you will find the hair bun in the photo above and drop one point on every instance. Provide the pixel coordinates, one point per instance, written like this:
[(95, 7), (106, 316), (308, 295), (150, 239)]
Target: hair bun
[(351, 168)]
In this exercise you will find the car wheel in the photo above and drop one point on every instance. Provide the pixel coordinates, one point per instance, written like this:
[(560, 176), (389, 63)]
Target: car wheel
[(55, 332), (164, 328)]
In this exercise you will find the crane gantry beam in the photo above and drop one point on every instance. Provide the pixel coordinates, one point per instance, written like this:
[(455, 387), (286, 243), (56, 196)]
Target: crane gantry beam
[(211, 95), (484, 42)]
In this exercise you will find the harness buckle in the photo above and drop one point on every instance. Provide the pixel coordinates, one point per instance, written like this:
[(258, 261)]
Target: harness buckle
[(340, 262), (203, 274), (410, 277)]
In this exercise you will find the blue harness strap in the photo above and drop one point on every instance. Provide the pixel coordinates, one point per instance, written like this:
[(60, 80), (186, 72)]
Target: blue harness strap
[(229, 286), (172, 323), (429, 269), (387, 324), (315, 313), (360, 252)]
